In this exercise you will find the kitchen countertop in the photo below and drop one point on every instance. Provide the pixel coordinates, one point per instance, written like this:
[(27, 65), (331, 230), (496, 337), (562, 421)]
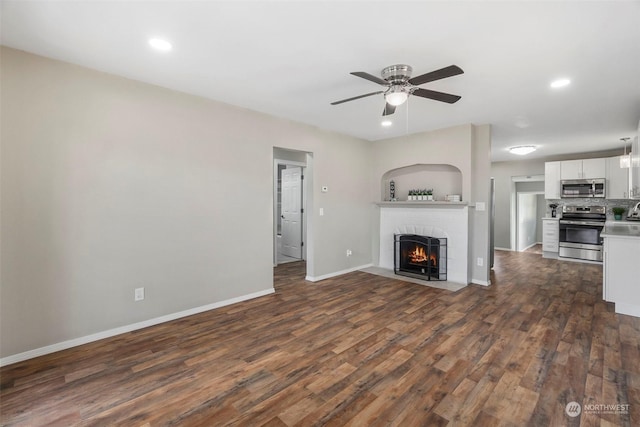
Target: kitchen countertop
[(622, 229)]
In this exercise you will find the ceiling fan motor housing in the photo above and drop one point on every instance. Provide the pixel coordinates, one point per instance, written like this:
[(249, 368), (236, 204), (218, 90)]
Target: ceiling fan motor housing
[(397, 74)]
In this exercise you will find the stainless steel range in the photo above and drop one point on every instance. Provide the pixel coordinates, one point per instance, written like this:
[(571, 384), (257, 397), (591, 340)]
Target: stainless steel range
[(580, 228)]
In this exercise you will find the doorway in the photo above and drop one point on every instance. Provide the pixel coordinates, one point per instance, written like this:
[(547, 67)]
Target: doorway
[(527, 210), (529, 231), (290, 199)]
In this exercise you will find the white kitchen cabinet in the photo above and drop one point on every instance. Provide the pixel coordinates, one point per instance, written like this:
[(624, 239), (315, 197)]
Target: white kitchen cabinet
[(620, 274), (634, 170), (571, 169), (552, 180), (617, 179), (594, 168), (550, 236), (583, 169)]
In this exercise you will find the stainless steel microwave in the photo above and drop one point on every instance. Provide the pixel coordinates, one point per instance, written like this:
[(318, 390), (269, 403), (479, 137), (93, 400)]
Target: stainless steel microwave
[(574, 188)]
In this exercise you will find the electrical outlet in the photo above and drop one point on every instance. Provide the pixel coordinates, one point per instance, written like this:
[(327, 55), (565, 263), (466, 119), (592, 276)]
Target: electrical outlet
[(138, 294), (480, 262), (349, 253)]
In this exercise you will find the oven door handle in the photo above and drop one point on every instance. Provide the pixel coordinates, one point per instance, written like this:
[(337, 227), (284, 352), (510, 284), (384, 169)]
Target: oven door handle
[(598, 224)]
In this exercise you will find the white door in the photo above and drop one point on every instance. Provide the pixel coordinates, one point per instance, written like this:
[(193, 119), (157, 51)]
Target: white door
[(291, 219)]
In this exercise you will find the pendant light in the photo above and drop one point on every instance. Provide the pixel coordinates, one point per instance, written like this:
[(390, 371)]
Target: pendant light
[(625, 161)]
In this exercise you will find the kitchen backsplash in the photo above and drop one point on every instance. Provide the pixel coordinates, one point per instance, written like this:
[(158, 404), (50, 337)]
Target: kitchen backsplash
[(624, 203)]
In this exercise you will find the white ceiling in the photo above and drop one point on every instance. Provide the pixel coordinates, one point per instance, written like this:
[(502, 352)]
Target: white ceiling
[(291, 59)]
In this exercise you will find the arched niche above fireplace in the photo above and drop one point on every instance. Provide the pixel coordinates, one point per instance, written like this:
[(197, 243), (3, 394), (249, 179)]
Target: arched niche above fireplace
[(444, 179)]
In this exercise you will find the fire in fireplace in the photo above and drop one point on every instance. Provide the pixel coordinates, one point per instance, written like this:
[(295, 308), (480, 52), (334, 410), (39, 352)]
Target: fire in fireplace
[(423, 257), (418, 256)]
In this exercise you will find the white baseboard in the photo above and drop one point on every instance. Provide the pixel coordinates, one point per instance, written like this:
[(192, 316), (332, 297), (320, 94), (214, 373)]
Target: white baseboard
[(337, 273), (481, 282), (127, 328), (503, 249)]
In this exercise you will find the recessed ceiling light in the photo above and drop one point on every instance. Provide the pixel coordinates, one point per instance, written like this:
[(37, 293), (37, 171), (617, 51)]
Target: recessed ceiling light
[(521, 150), (560, 83), (161, 45), (386, 123)]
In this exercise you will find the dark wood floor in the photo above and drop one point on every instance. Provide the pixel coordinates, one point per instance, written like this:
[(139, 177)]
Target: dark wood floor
[(357, 350)]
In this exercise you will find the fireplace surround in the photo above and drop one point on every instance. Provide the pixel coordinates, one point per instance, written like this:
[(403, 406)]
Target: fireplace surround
[(436, 219)]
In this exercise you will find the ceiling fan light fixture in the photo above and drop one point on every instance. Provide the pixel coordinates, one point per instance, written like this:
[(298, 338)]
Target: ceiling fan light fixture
[(398, 85), (160, 44), (556, 84), (396, 95), (522, 150)]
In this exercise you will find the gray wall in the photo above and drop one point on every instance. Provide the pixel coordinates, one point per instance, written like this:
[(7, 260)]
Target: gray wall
[(109, 184), (530, 186), (481, 188), (290, 155)]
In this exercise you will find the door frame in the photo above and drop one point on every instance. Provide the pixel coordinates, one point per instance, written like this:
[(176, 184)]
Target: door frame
[(303, 165)]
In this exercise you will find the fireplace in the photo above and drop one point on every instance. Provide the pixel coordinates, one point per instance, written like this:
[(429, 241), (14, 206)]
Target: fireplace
[(422, 257)]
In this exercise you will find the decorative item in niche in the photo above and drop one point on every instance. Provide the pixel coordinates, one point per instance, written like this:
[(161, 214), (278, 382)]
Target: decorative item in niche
[(553, 207), (392, 191), (420, 195)]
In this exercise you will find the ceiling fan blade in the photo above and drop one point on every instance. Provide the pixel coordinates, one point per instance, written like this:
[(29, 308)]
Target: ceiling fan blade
[(356, 97), (438, 96), (370, 77), (388, 109), (451, 70)]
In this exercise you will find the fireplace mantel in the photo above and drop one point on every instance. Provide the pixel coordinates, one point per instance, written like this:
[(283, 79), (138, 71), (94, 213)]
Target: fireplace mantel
[(426, 204)]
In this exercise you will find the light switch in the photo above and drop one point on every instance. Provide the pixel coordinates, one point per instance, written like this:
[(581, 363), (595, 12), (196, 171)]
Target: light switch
[(480, 206), (321, 211)]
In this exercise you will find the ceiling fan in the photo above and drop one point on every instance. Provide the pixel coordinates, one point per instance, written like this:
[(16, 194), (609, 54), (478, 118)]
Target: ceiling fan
[(399, 85)]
